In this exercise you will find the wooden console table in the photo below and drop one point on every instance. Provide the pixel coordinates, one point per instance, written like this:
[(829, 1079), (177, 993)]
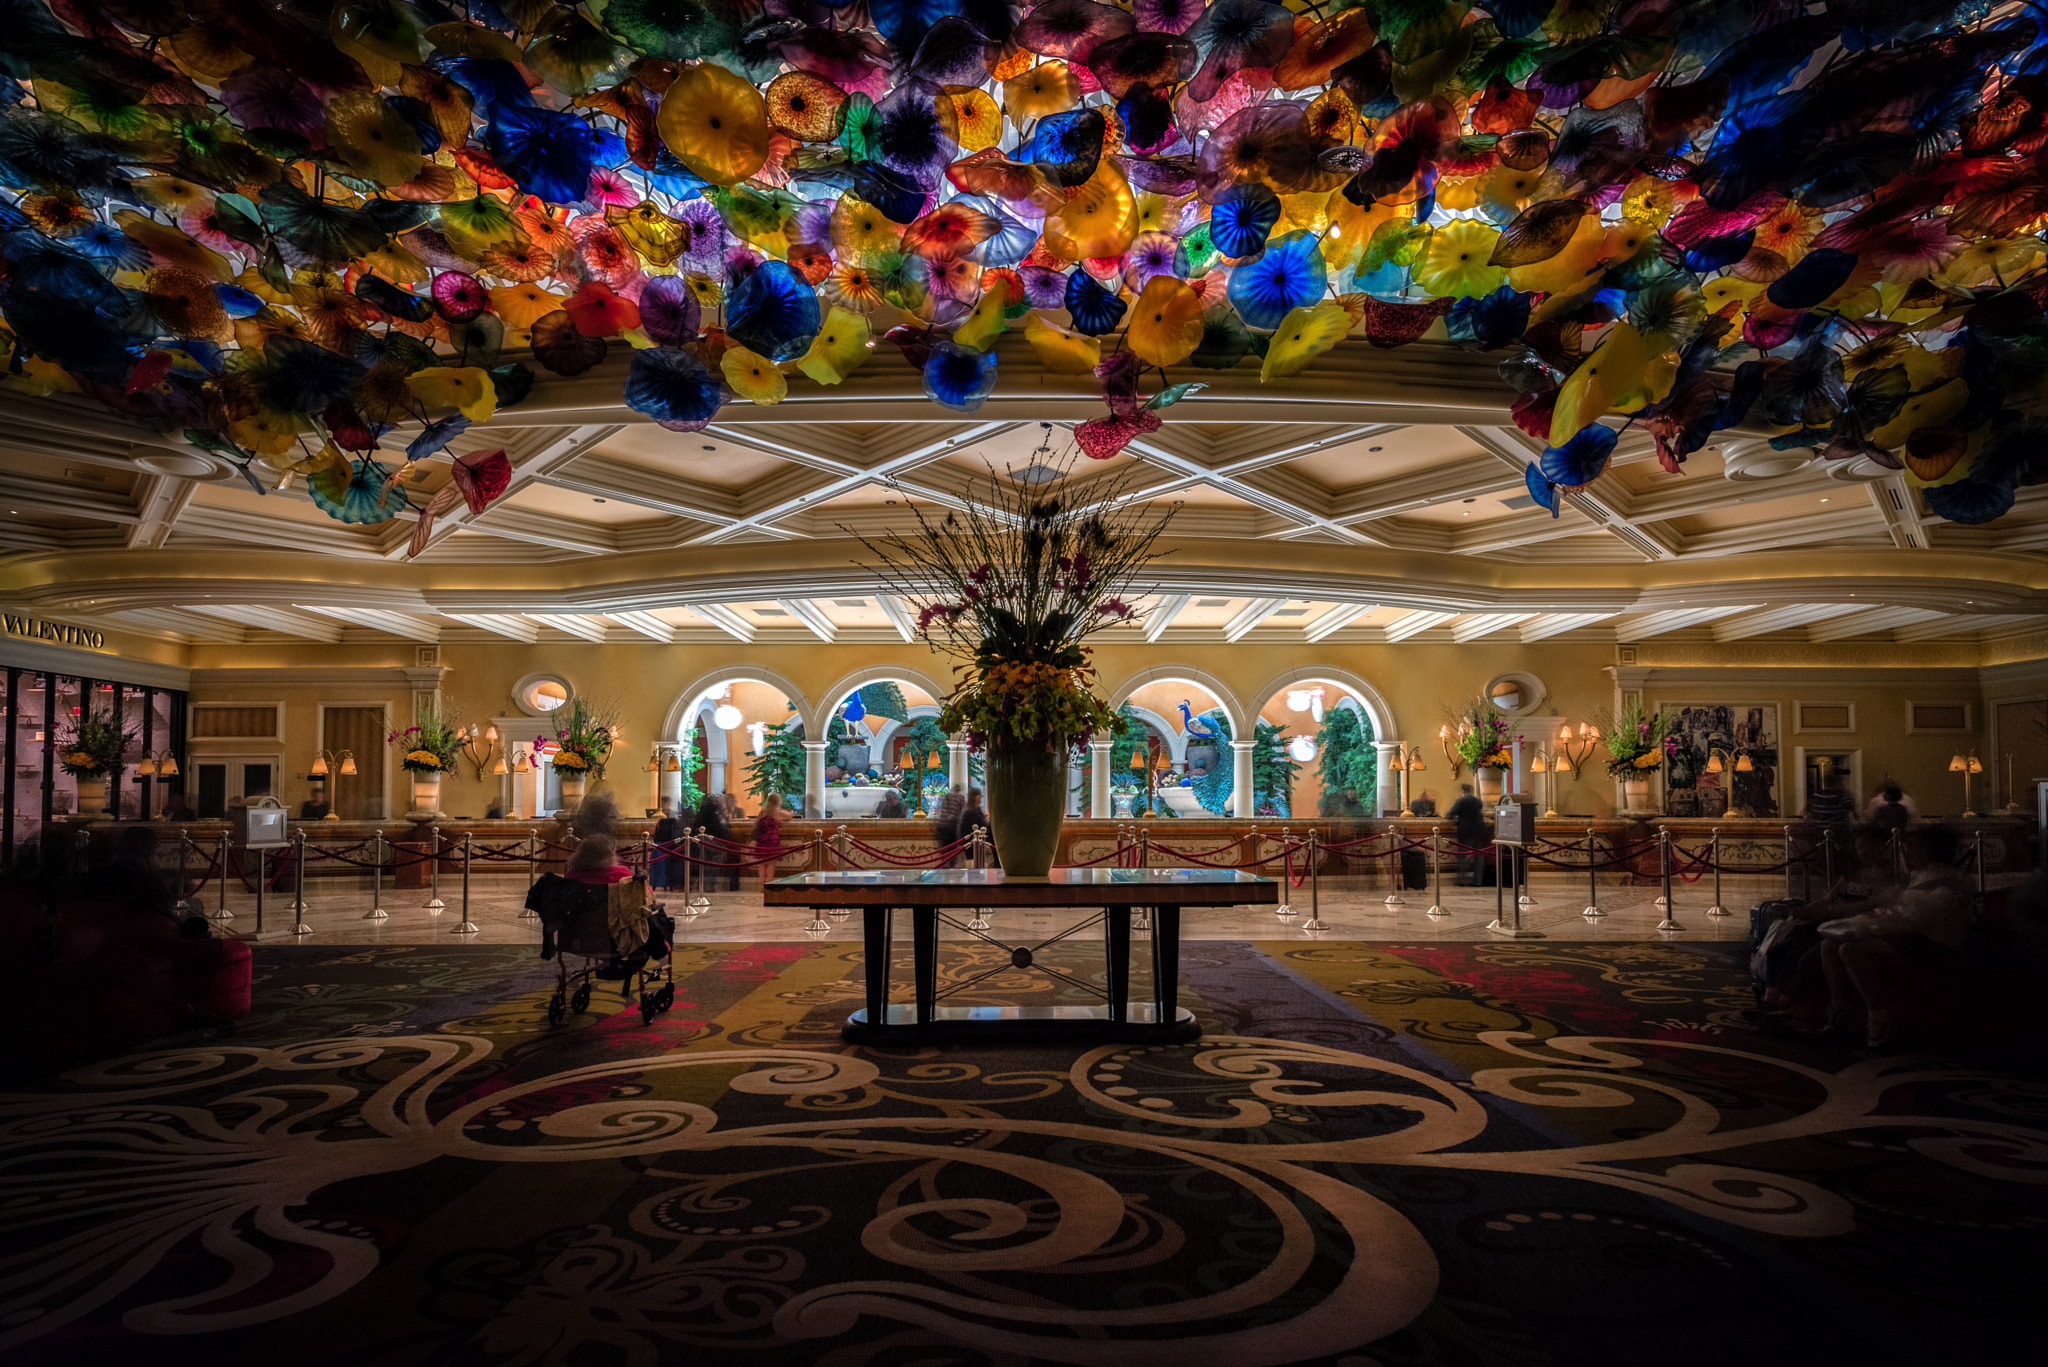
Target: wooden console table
[(935, 895)]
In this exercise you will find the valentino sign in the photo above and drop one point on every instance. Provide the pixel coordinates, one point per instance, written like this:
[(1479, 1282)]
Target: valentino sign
[(36, 629)]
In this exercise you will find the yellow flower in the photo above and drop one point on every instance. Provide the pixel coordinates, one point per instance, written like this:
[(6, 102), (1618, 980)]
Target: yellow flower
[(1649, 759), (80, 759), (426, 757), (569, 759)]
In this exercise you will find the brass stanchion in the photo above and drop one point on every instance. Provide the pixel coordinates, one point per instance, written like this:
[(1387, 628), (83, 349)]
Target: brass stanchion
[(818, 924), (699, 901), (467, 926), (1436, 873), (434, 902), (1394, 868), (376, 911), (532, 872), (299, 926), (1669, 922), (1315, 882), (1592, 879), (220, 857), (1714, 854)]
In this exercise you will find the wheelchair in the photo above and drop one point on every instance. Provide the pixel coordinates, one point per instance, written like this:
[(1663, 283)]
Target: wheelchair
[(575, 920)]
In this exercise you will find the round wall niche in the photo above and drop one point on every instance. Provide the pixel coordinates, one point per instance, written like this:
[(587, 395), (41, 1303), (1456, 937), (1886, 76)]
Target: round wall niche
[(1515, 694), (540, 695)]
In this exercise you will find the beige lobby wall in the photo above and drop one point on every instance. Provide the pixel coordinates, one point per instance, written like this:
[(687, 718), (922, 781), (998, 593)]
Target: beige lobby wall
[(1420, 683)]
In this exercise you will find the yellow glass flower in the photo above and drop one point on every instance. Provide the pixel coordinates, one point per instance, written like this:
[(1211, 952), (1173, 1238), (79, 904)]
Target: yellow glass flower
[(753, 376), (1098, 222), (839, 348), (986, 323), (861, 233), (467, 389), (267, 434), (1060, 351), (716, 123), (523, 305), (371, 138), (1045, 89), (1455, 266), (1166, 323), (1567, 272), (1928, 408), (1304, 334), (1626, 363), (971, 115)]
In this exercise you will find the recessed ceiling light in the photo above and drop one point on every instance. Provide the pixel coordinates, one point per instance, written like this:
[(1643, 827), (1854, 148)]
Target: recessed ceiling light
[(1471, 500), (709, 447), (1823, 500), (1375, 448), (597, 500)]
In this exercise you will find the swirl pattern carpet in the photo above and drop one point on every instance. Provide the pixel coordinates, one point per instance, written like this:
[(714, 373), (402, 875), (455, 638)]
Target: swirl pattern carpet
[(1377, 1154)]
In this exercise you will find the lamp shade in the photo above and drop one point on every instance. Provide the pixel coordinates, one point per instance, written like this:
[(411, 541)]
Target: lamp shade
[(1743, 766), (491, 733), (1958, 765), (675, 763), (146, 768), (1976, 765), (1137, 759), (320, 766), (727, 716), (348, 765), (519, 765), (934, 762), (498, 765), (1536, 765), (169, 768), (1714, 765), (1415, 764)]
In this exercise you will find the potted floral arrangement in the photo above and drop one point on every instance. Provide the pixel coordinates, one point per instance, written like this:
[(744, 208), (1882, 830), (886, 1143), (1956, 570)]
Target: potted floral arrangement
[(89, 753), (1011, 585), (1637, 747), (584, 736), (429, 749), (1482, 744)]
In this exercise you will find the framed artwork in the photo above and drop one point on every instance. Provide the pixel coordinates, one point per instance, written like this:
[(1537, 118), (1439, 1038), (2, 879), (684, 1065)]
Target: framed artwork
[(1740, 731)]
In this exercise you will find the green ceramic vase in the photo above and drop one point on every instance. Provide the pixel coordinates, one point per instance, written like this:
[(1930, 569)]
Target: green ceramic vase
[(1027, 799)]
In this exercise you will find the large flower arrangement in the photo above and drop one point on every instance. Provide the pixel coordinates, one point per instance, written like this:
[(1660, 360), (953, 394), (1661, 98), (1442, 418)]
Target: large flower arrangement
[(431, 744), (1636, 743), (93, 747), (1482, 740), (1011, 585), (290, 237), (584, 735)]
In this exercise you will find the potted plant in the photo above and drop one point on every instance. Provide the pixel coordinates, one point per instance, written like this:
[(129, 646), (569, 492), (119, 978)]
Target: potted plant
[(429, 748), (1637, 747), (1011, 585), (92, 751), (583, 742), (1482, 745)]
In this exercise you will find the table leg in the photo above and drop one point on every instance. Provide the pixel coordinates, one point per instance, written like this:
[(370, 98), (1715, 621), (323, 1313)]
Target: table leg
[(875, 932), (924, 943), (1166, 964), (1117, 928)]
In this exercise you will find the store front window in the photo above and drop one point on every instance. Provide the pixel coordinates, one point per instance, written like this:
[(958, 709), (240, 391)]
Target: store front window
[(41, 709)]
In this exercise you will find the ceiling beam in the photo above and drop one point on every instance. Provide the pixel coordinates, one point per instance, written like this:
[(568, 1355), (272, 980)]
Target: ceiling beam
[(1961, 624), (1894, 502), (809, 613), (1863, 623), (377, 619), (1485, 624), (159, 502), (1335, 620), (591, 629), (533, 452), (279, 620), (646, 623), (898, 613), (1259, 609), (1678, 619), (1545, 625), (1780, 619), (1162, 615), (502, 624), (725, 619), (1415, 623)]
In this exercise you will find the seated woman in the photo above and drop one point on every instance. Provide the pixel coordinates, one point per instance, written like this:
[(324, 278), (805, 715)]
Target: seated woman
[(596, 860)]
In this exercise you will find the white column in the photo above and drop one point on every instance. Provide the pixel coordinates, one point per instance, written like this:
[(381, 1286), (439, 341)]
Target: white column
[(672, 786), (956, 764), (1390, 750), (1099, 804), (715, 776), (814, 778), (1241, 796)]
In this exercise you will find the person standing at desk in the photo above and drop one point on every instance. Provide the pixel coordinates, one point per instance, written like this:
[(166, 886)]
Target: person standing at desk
[(1470, 814)]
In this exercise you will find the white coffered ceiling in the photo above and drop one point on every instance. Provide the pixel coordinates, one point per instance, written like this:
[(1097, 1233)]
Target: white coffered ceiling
[(1325, 515)]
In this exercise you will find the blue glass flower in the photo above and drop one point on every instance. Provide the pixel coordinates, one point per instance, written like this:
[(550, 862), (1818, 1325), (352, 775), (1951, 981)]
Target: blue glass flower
[(435, 435), (1541, 489), (1969, 501), (1490, 320), (959, 377), (1581, 460), (673, 386), (774, 312), (1242, 217), (368, 498), (1094, 309), (1289, 276), (550, 152)]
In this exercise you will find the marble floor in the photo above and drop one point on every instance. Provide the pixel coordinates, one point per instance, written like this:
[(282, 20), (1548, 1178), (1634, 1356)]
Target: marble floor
[(1351, 908)]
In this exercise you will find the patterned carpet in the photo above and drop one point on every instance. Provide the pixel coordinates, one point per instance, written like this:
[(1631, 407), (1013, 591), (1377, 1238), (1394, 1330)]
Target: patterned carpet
[(1378, 1154)]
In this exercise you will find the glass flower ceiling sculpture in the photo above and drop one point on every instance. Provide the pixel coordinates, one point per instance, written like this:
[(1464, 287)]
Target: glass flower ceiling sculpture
[(285, 230)]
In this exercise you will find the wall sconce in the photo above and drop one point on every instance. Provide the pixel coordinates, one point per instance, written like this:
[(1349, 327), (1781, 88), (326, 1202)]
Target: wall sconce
[(479, 745), (1449, 740), (342, 762), (1572, 752), (519, 762), (1969, 766), (162, 764)]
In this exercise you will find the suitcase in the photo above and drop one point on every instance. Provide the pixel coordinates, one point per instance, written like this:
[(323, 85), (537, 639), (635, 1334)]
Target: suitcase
[(1414, 870)]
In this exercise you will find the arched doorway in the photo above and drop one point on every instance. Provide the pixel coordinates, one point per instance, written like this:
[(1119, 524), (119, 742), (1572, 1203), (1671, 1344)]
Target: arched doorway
[(1331, 734), (1194, 717), (736, 730)]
